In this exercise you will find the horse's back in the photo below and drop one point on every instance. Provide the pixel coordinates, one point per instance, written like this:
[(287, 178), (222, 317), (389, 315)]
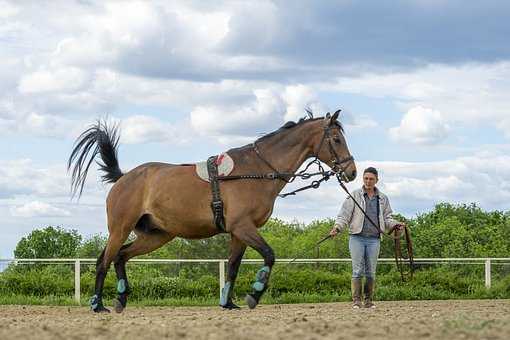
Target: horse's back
[(145, 177), (181, 201), (172, 193)]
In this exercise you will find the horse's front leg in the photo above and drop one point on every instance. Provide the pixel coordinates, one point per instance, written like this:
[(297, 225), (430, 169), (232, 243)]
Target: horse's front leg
[(251, 237), (237, 248)]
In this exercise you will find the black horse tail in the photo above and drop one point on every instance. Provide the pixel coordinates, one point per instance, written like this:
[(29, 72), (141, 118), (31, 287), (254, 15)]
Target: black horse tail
[(100, 139)]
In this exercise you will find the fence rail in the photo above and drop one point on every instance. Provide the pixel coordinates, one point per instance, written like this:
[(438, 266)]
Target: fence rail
[(486, 261)]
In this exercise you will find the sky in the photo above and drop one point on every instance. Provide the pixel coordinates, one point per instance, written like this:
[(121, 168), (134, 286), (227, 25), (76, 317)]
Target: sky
[(423, 86)]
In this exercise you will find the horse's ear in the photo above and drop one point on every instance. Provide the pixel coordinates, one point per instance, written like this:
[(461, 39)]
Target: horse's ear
[(335, 115), (331, 119), (326, 120)]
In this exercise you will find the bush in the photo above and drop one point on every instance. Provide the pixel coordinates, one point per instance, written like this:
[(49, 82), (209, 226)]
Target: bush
[(447, 231)]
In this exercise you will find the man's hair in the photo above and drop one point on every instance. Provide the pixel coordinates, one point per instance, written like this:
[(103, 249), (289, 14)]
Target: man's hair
[(371, 170)]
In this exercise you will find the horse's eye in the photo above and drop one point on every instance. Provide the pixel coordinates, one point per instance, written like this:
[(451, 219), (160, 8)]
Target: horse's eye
[(337, 140)]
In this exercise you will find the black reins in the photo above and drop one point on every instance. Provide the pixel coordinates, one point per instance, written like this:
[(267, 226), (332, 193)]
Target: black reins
[(339, 172), (289, 177), (399, 259)]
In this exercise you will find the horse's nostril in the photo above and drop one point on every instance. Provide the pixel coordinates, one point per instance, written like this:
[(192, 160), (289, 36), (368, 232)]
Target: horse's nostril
[(354, 174)]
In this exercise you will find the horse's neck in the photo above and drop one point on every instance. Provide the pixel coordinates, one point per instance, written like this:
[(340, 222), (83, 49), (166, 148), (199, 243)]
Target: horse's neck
[(286, 153)]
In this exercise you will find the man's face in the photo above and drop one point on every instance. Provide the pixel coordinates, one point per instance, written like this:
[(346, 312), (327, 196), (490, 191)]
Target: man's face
[(369, 180)]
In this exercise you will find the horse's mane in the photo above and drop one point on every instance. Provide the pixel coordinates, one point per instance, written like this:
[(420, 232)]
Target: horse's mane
[(287, 126), (291, 124)]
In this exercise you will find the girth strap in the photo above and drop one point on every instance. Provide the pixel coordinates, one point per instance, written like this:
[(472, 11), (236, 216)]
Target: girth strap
[(217, 203)]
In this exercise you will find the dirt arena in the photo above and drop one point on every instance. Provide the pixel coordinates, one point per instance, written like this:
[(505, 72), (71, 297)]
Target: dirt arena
[(475, 319)]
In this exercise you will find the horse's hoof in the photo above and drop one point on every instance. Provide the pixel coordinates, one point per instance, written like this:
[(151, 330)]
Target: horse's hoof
[(117, 305), (250, 301), (101, 309), (230, 305)]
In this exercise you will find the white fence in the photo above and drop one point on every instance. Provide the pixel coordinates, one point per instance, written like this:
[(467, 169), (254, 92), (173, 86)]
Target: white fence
[(487, 262)]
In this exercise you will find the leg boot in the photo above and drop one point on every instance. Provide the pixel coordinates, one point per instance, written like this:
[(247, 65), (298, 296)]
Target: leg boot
[(369, 292), (356, 293)]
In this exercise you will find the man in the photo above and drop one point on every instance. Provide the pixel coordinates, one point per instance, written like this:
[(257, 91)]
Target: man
[(365, 237)]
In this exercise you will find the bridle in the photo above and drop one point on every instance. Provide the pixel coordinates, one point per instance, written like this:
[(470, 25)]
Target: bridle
[(337, 169), (288, 177), (335, 158)]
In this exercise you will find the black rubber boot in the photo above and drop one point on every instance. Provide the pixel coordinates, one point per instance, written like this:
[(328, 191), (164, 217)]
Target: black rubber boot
[(356, 293), (369, 292)]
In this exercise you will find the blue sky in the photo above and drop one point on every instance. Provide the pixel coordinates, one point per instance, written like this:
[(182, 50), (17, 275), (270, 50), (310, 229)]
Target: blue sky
[(423, 86)]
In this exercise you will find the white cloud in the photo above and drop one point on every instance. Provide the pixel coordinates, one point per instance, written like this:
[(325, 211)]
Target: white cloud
[(414, 187), (35, 124), (66, 79), (48, 125), (7, 9), (145, 129), (421, 126), (441, 188), (38, 209), (20, 177), (267, 107), (271, 107), (469, 94), (23, 178), (356, 121), (479, 178), (297, 98), (149, 39), (504, 125)]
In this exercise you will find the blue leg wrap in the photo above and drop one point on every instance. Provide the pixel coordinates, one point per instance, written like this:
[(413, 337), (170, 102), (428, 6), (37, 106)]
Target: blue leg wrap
[(225, 293), (261, 279), (121, 286), (94, 302)]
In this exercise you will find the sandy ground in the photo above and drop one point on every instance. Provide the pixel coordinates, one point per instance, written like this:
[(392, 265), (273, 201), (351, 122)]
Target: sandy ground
[(474, 319)]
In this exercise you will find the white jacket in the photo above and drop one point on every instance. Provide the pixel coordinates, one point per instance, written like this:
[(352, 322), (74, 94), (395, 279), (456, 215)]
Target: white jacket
[(352, 216)]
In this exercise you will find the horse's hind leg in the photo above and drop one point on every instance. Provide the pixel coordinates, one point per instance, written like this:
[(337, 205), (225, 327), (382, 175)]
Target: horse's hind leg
[(146, 241), (115, 241), (122, 283), (251, 237), (237, 248)]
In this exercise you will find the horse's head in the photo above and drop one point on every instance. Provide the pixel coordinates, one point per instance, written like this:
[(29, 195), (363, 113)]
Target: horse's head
[(332, 148)]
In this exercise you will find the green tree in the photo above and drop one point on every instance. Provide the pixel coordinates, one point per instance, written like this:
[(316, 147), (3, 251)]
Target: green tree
[(92, 247), (49, 242), (216, 247), (461, 231)]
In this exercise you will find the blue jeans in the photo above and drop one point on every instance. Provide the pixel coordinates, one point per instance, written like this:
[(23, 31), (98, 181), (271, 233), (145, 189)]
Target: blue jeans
[(364, 253)]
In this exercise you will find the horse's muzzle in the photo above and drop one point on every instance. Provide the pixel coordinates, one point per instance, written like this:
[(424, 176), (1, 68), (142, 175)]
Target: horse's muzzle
[(345, 174)]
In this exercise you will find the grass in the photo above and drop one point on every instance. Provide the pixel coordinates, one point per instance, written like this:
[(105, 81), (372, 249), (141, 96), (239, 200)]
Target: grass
[(50, 300), (51, 286)]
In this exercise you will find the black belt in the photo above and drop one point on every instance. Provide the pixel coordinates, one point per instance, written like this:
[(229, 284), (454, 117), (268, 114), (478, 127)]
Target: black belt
[(217, 203)]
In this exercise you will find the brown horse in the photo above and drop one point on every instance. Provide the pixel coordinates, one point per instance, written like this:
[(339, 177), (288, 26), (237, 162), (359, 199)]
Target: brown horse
[(159, 201)]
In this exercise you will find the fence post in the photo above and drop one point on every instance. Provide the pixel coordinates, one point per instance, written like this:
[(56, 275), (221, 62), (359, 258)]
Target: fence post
[(77, 275), (222, 275), (487, 273)]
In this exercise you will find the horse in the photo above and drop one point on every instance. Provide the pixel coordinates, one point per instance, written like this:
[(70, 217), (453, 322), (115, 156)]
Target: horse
[(160, 201)]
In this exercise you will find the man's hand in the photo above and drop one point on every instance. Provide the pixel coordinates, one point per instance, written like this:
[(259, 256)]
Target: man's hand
[(333, 232)]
